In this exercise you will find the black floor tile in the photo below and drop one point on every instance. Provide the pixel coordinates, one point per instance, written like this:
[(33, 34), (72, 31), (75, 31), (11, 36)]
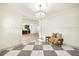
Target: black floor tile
[(73, 52), (49, 53), (55, 47), (32, 43), (3, 52), (45, 43), (25, 53), (20, 47), (38, 47)]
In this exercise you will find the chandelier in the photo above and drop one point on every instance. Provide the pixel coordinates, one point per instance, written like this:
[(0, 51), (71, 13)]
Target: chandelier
[(40, 14)]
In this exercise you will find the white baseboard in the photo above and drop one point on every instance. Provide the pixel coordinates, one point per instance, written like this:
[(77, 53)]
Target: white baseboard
[(71, 45)]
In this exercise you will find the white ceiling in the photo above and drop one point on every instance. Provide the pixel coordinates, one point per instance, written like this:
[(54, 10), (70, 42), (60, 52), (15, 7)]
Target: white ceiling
[(29, 9)]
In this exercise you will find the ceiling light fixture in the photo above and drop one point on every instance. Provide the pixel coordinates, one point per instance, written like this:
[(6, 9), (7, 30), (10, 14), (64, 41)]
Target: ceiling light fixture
[(40, 14)]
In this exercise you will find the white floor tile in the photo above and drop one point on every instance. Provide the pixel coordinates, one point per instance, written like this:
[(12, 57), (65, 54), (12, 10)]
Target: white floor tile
[(62, 53), (12, 53), (67, 48), (38, 43), (28, 47), (37, 53), (47, 47)]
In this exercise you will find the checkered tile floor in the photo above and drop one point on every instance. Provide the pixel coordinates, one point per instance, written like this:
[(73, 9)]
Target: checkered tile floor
[(37, 48)]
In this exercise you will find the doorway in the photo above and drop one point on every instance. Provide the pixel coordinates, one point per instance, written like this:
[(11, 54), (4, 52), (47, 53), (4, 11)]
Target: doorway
[(29, 31)]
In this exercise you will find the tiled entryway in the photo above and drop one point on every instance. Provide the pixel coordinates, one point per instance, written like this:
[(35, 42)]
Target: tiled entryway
[(41, 49)]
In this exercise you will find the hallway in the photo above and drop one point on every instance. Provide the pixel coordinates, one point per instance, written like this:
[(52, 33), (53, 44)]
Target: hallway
[(43, 20), (36, 48)]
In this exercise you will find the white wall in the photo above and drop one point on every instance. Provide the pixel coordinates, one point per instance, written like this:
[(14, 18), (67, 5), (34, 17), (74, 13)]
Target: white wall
[(33, 24), (0, 26), (10, 27), (67, 22)]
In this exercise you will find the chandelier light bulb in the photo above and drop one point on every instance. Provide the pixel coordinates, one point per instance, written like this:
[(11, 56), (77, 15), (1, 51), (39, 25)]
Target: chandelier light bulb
[(40, 14)]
